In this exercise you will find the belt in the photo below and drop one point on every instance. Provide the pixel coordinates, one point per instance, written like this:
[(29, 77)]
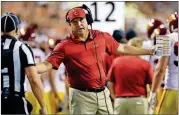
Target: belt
[(129, 96), (91, 89)]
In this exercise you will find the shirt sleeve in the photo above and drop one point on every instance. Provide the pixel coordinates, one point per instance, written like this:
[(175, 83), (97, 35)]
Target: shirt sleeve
[(27, 56), (57, 56), (111, 44)]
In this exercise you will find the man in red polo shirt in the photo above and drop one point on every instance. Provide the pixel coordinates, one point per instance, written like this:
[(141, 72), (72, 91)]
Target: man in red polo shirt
[(83, 54), (128, 77)]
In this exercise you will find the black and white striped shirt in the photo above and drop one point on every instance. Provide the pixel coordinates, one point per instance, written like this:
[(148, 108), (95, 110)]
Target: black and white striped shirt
[(15, 57)]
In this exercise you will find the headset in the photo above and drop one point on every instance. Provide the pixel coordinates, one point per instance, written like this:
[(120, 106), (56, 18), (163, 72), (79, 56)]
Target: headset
[(90, 20), (89, 17)]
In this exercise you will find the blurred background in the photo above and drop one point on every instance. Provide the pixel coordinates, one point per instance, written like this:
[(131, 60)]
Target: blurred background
[(47, 19)]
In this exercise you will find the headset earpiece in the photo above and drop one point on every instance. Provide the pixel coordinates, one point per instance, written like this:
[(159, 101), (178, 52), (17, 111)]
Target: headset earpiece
[(88, 15)]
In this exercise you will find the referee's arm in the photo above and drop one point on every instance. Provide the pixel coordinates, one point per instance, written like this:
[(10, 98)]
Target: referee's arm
[(34, 79), (36, 84)]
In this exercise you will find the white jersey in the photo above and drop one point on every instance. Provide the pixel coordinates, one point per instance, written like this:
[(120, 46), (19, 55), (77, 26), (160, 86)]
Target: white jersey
[(147, 44), (60, 78), (46, 81), (171, 77), (39, 56)]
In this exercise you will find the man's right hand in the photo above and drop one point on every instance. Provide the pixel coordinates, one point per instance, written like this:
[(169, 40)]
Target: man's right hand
[(43, 111)]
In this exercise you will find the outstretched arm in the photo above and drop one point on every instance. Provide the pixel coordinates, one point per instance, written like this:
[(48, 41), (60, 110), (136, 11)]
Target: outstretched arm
[(131, 50), (43, 67)]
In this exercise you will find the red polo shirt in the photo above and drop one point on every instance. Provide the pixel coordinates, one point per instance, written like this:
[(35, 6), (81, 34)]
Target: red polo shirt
[(80, 59), (109, 60), (130, 75)]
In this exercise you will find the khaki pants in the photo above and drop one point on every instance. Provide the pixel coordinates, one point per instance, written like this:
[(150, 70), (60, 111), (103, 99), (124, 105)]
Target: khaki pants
[(81, 102), (131, 105)]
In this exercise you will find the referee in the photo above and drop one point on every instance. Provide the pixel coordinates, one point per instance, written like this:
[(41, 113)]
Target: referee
[(17, 60)]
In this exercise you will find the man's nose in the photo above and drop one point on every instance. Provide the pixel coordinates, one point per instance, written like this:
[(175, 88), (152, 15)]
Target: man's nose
[(79, 23)]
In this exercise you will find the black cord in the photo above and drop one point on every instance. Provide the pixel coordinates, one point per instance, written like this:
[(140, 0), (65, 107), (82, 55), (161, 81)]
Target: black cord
[(96, 53), (98, 66)]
